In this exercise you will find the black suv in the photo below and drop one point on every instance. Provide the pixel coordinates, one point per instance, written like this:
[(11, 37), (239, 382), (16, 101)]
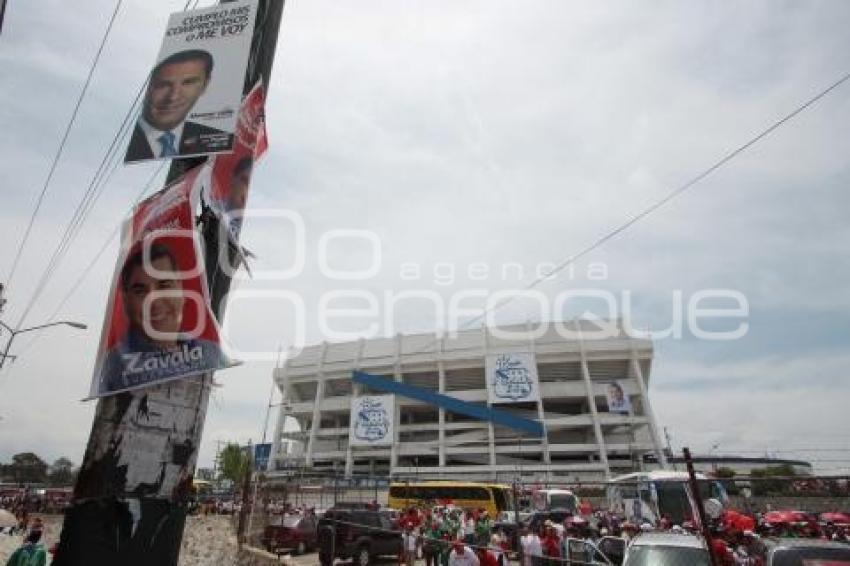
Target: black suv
[(360, 534)]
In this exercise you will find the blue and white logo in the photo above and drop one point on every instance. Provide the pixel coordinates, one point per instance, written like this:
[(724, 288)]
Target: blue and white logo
[(512, 379), (372, 421)]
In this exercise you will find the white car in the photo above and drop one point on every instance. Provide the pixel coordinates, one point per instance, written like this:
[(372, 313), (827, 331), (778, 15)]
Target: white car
[(667, 549)]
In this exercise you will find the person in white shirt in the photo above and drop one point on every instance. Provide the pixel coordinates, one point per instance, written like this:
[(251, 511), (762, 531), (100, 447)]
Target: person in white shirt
[(462, 555), (469, 528), (409, 542), (532, 549)]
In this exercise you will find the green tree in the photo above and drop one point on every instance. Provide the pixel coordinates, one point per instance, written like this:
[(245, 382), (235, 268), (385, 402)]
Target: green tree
[(234, 463), (61, 473), (764, 485), (27, 467), (724, 473)]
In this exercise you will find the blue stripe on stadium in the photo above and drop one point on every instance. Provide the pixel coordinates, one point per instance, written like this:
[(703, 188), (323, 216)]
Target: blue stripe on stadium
[(449, 403)]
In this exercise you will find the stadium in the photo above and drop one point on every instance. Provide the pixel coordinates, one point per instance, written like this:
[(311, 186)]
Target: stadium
[(470, 405)]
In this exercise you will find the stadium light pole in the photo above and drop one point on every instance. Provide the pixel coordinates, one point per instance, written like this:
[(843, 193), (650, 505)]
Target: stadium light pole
[(13, 333)]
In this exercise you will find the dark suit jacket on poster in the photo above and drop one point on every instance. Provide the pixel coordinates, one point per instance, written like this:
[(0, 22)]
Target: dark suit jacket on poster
[(196, 139)]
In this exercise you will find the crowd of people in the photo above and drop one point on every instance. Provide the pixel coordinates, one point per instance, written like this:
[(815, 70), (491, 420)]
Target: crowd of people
[(444, 536), (451, 537)]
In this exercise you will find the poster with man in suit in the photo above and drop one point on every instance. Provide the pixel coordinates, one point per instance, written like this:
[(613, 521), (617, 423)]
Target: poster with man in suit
[(195, 88)]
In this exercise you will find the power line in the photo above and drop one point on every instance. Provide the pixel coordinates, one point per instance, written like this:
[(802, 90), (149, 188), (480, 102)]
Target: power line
[(87, 270), (61, 148), (653, 207), (92, 194), (110, 162), (666, 199)]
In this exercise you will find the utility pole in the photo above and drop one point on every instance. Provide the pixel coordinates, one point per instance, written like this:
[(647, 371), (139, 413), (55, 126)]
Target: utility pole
[(260, 473), (703, 518), (669, 444), (130, 501)]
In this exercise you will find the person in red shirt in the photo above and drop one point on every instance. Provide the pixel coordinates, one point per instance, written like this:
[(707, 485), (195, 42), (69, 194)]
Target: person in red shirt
[(551, 544), (722, 552), (487, 557)]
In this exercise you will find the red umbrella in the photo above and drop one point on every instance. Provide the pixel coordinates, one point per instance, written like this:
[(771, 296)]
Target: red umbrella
[(734, 520), (835, 517), (785, 517)]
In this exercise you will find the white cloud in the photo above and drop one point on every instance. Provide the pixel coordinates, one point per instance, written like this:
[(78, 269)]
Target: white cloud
[(474, 132)]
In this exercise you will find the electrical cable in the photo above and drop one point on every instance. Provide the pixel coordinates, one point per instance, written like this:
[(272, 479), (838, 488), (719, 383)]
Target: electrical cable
[(62, 143), (650, 209), (83, 209), (667, 198), (76, 285), (91, 195)]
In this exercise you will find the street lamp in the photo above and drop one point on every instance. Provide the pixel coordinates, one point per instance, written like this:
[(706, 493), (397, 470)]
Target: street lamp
[(13, 333)]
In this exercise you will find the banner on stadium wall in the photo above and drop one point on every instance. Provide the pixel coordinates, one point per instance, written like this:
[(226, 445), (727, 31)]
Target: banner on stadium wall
[(225, 184), (195, 88), (158, 324), (618, 401), (372, 420), (512, 377)]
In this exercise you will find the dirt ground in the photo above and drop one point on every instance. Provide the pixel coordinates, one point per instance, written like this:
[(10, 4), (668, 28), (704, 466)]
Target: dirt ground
[(207, 540)]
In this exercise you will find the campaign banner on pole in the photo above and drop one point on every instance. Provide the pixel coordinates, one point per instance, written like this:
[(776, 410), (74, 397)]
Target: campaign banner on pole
[(372, 420), (618, 401), (158, 324), (225, 186), (512, 378), (195, 88)]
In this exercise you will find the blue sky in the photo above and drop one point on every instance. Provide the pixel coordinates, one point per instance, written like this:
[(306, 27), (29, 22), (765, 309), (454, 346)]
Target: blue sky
[(480, 132)]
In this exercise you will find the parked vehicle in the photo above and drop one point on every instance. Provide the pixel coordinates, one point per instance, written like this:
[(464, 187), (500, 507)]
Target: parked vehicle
[(806, 552), (494, 498), (585, 553), (360, 534), (295, 533), (549, 499), (664, 548), (647, 496)]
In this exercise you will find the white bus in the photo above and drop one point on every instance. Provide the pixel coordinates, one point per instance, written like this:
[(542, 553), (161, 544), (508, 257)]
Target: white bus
[(548, 499), (647, 496)]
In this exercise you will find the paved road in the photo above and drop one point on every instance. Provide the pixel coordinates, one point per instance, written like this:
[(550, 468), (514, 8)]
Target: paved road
[(312, 559)]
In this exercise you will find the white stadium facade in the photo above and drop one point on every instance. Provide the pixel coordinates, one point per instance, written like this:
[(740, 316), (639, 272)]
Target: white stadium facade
[(589, 393)]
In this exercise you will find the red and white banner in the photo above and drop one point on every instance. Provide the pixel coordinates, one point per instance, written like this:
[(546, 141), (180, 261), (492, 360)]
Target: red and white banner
[(226, 183), (158, 324)]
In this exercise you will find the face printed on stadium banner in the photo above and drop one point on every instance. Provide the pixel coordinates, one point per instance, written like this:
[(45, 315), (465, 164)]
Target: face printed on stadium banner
[(165, 313), (173, 91), (616, 393)]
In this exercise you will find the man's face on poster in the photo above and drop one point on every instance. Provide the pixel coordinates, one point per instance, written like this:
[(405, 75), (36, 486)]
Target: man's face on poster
[(616, 393), (173, 91), (164, 313)]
